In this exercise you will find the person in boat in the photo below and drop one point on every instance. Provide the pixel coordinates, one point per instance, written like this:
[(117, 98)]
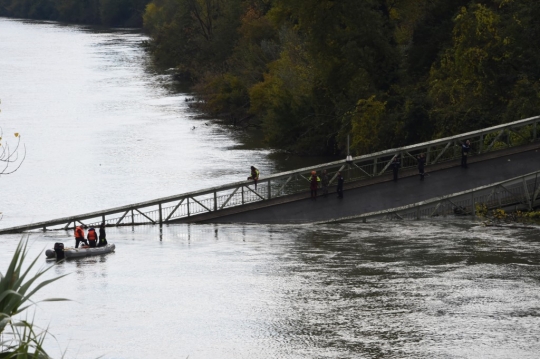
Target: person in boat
[(79, 236), (92, 237), (102, 240)]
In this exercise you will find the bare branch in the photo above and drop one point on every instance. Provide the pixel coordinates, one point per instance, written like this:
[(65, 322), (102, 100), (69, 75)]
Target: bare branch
[(10, 158), (4, 171)]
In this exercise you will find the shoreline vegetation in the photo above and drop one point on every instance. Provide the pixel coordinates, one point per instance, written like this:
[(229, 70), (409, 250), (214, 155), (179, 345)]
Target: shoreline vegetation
[(310, 73), (20, 337), (499, 217)]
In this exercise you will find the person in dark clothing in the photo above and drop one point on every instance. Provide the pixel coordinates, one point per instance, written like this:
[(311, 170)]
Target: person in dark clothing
[(314, 184), (102, 240), (340, 181), (92, 237), (79, 236), (465, 148), (396, 164), (421, 164), (325, 181)]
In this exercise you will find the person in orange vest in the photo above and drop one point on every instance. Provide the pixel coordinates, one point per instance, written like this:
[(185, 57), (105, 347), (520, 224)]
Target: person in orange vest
[(92, 237), (79, 236)]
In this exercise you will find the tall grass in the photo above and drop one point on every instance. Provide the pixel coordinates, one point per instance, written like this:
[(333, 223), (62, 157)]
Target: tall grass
[(20, 338)]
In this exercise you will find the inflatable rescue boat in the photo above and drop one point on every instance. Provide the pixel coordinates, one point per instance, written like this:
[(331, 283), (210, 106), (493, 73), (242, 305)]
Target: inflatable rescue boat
[(59, 252)]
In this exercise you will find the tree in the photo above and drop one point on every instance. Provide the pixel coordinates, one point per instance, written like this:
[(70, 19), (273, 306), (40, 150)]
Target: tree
[(522, 78), (332, 54), (107, 12), (122, 12), (463, 85), (366, 121), (195, 36), (489, 74), (312, 71)]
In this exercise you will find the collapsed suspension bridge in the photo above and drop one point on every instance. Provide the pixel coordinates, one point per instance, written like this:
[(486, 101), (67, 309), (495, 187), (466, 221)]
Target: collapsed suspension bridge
[(369, 175)]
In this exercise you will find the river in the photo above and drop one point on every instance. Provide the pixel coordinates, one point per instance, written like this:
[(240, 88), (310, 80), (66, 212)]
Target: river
[(102, 128)]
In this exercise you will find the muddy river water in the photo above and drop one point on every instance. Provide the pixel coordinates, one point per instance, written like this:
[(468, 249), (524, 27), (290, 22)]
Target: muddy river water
[(103, 128)]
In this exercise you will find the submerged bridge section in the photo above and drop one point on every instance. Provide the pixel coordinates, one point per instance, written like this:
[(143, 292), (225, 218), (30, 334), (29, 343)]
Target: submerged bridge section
[(519, 193), (511, 180), (498, 153)]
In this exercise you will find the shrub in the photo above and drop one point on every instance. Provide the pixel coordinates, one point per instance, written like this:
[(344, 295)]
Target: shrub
[(20, 338)]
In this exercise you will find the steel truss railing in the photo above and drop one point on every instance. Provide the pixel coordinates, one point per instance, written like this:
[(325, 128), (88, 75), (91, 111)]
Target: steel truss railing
[(169, 209), (519, 193)]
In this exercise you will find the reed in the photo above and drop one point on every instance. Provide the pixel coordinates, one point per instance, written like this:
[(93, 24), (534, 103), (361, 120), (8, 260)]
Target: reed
[(21, 338)]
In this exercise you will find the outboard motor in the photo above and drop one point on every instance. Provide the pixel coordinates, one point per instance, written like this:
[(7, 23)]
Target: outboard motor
[(59, 249)]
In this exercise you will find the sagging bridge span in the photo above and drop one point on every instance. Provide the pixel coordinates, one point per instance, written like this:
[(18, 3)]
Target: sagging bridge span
[(503, 172)]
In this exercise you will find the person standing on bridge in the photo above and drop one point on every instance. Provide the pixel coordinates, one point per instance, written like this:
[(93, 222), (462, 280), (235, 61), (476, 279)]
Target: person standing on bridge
[(254, 176), (325, 181), (396, 164), (421, 163), (465, 148), (314, 184), (340, 181), (79, 235)]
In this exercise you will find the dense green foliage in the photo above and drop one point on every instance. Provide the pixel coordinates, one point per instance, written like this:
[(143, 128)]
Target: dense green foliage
[(101, 12), (387, 72), (311, 72)]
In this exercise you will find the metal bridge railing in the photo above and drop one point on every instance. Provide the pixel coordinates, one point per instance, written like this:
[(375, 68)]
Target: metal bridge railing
[(520, 193), (167, 209)]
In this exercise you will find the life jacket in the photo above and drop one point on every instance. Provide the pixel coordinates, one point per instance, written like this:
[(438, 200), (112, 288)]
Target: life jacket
[(79, 232), (92, 235)]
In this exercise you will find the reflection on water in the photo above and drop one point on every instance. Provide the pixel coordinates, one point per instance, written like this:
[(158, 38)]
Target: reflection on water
[(442, 289)]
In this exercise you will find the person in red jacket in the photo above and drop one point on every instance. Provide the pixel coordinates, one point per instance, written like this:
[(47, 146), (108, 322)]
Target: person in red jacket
[(79, 236), (92, 237)]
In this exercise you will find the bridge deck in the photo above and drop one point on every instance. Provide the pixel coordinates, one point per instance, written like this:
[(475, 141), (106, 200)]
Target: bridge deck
[(384, 193), (281, 197)]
